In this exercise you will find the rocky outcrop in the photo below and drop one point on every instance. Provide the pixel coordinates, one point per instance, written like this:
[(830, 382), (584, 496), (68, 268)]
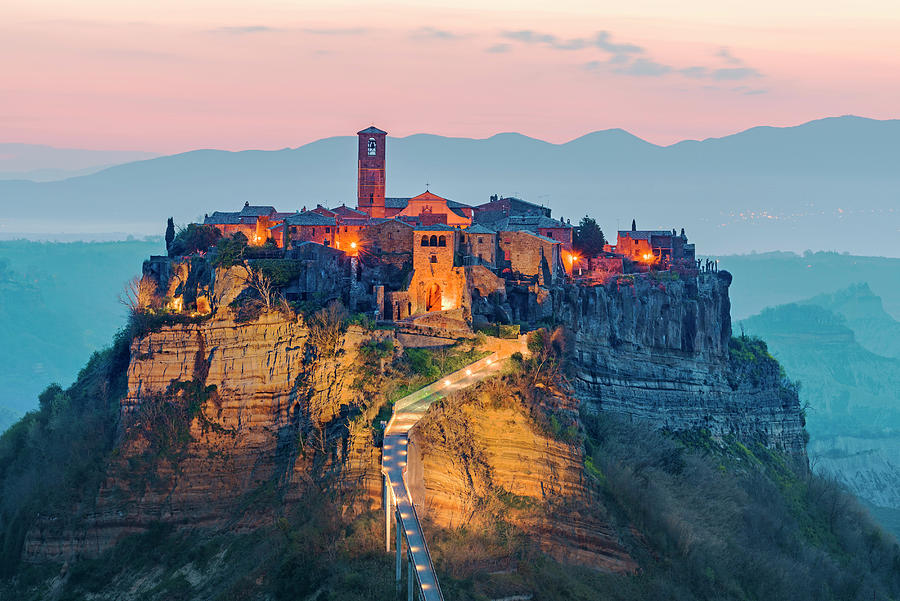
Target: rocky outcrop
[(259, 403), (475, 461), (658, 350)]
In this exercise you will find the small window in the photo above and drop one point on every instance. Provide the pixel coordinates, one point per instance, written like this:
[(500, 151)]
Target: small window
[(424, 240), (327, 230), (433, 241), (442, 241), (434, 258), (372, 147), (480, 239)]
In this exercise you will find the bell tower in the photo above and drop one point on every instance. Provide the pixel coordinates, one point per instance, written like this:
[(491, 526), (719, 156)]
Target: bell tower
[(370, 173)]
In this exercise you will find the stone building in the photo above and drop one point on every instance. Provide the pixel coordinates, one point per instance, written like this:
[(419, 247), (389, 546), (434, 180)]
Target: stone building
[(252, 221), (436, 284), (500, 208), (656, 248), (324, 275), (537, 224), (370, 177), (479, 246), (308, 226), (530, 256), (389, 240), (432, 209)]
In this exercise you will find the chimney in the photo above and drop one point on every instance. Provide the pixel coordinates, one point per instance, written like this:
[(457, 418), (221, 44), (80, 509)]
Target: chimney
[(633, 226)]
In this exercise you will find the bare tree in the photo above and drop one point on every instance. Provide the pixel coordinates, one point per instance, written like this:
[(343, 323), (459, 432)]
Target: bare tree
[(261, 283), (138, 295)]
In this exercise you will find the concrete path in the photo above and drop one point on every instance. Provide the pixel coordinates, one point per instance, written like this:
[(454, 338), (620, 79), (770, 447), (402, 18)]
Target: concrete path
[(408, 411)]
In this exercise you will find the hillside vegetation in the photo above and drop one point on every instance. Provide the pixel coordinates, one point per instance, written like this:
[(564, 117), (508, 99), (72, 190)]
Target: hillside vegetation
[(704, 519), (843, 348)]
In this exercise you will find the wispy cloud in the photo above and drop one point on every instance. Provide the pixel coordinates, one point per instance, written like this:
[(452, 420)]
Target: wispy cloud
[(644, 67), (601, 40), (433, 33), (336, 30), (725, 54), (243, 29), (498, 48)]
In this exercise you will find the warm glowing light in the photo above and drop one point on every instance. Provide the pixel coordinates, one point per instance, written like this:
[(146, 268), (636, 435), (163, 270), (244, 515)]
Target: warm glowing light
[(648, 256), (353, 245), (446, 382), (488, 361), (468, 372)]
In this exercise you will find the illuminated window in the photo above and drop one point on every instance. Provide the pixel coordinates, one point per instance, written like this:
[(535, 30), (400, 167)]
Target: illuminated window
[(372, 146)]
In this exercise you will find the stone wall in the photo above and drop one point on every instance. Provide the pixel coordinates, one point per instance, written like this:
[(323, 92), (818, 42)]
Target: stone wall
[(529, 255), (390, 241)]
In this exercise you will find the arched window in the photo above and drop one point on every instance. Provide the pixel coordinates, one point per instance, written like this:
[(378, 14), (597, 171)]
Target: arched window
[(434, 258), (424, 240), (433, 241), (442, 241), (372, 147)]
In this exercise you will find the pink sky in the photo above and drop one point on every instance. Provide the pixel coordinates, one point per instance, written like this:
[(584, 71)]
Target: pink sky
[(170, 76)]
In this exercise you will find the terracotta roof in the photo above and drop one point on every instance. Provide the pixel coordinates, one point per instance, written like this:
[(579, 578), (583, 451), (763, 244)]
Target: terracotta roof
[(346, 211), (222, 218), (540, 237), (644, 234), (371, 130), (395, 202), (479, 229), (437, 227), (515, 223), (250, 210), (426, 195), (309, 218)]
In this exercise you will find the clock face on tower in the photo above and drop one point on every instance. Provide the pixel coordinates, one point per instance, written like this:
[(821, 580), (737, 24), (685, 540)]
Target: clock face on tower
[(372, 147)]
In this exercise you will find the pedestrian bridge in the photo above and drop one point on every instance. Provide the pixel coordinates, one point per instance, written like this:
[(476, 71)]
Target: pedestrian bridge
[(399, 506)]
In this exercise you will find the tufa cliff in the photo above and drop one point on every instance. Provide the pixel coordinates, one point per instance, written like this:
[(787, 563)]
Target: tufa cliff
[(661, 350), (219, 415)]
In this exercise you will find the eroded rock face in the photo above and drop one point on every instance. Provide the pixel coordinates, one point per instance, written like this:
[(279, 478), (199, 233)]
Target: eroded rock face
[(470, 463), (255, 440), (658, 351)]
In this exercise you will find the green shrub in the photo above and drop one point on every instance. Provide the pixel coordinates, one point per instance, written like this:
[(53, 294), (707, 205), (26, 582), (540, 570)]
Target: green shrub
[(193, 238), (230, 251), (282, 272)]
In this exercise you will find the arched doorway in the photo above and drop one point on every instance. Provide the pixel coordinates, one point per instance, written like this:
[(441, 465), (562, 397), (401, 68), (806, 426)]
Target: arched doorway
[(433, 298)]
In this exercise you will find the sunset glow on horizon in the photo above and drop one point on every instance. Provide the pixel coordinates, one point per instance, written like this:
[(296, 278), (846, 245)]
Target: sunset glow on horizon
[(169, 77)]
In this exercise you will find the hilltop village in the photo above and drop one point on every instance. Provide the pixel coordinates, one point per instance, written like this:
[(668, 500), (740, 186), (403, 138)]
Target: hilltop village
[(426, 259)]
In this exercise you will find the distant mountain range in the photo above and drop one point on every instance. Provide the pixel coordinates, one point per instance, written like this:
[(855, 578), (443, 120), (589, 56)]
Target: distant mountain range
[(40, 163), (827, 184)]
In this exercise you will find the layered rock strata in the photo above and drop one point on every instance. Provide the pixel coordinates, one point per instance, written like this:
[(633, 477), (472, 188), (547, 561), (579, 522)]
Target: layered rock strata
[(262, 427), (472, 463), (658, 351)]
